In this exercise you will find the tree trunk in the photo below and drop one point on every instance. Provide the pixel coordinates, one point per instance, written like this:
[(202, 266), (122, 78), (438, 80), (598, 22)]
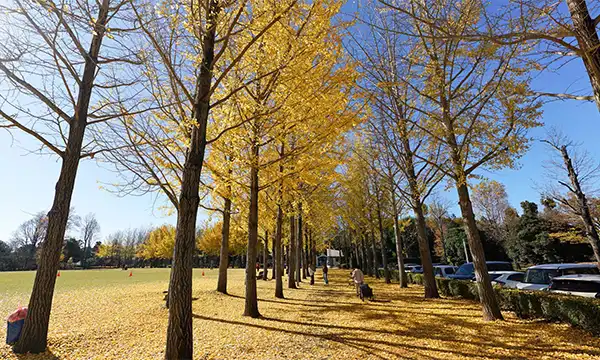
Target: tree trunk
[(224, 255), (491, 310), (466, 250), (589, 43), (313, 251), (386, 271), (34, 336), (400, 254), (399, 246), (179, 330), (425, 253), (374, 254), (305, 255), (273, 258), (292, 254), (279, 268), (265, 257), (366, 262), (584, 210), (251, 303), (299, 246)]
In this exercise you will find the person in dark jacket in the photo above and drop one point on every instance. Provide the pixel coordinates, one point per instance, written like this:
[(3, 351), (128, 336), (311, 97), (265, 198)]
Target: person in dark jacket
[(325, 271)]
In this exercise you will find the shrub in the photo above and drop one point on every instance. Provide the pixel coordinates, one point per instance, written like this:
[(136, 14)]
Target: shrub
[(577, 311), (580, 312)]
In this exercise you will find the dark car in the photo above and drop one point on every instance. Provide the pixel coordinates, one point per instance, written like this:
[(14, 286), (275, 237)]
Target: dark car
[(467, 271)]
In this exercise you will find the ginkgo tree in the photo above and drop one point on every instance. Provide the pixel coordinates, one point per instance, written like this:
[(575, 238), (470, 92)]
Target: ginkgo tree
[(190, 50), (289, 115), (473, 104)]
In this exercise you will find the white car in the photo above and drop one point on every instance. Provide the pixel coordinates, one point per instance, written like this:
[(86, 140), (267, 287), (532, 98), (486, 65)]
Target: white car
[(506, 279), (579, 285), (539, 277), (444, 270)]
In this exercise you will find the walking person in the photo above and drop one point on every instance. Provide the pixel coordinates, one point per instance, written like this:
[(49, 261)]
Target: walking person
[(311, 273), (325, 271), (358, 277)]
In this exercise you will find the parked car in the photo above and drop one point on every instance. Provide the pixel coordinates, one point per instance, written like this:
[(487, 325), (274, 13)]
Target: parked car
[(579, 284), (417, 269), (467, 271), (539, 277), (444, 270), (506, 279)]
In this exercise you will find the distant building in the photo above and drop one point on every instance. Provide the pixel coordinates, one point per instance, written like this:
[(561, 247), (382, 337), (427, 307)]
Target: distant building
[(332, 257)]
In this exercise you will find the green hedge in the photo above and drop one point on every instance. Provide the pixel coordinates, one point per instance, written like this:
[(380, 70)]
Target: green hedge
[(578, 311)]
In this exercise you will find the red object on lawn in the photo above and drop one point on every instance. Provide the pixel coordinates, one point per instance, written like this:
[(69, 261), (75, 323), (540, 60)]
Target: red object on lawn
[(130, 273), (202, 273), (19, 314), (58, 275)]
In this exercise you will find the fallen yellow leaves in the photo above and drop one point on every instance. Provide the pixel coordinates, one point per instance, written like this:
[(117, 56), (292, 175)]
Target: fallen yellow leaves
[(128, 321)]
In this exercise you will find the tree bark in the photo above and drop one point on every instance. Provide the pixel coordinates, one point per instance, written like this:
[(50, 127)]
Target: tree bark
[(251, 303), (265, 257), (491, 310), (273, 257), (386, 271), (366, 262), (305, 255), (279, 268), (374, 254), (584, 210), (399, 246), (292, 254), (179, 330), (34, 336), (299, 246), (224, 255), (589, 42), (425, 253), (403, 280)]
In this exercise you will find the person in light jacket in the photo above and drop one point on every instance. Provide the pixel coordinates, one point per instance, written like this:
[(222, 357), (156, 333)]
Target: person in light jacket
[(358, 277)]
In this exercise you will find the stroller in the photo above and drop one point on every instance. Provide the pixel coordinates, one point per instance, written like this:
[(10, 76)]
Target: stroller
[(366, 292)]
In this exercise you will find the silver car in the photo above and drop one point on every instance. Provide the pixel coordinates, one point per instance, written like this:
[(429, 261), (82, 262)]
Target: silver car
[(579, 285), (539, 277)]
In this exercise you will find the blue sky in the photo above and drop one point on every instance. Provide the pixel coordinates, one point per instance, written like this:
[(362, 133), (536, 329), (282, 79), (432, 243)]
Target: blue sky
[(27, 186), (27, 180)]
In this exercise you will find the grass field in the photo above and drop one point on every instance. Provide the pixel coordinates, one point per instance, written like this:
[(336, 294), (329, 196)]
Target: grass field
[(105, 314)]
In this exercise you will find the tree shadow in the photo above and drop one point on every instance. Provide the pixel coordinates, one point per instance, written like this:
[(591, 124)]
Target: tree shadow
[(46, 355)]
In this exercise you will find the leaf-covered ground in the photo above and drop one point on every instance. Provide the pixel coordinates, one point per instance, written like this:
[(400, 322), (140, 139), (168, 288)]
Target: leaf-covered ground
[(108, 315)]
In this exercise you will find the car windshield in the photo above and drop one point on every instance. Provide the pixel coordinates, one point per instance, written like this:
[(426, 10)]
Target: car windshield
[(576, 285), (500, 267), (494, 276), (465, 269), (540, 276), (449, 271), (516, 277)]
